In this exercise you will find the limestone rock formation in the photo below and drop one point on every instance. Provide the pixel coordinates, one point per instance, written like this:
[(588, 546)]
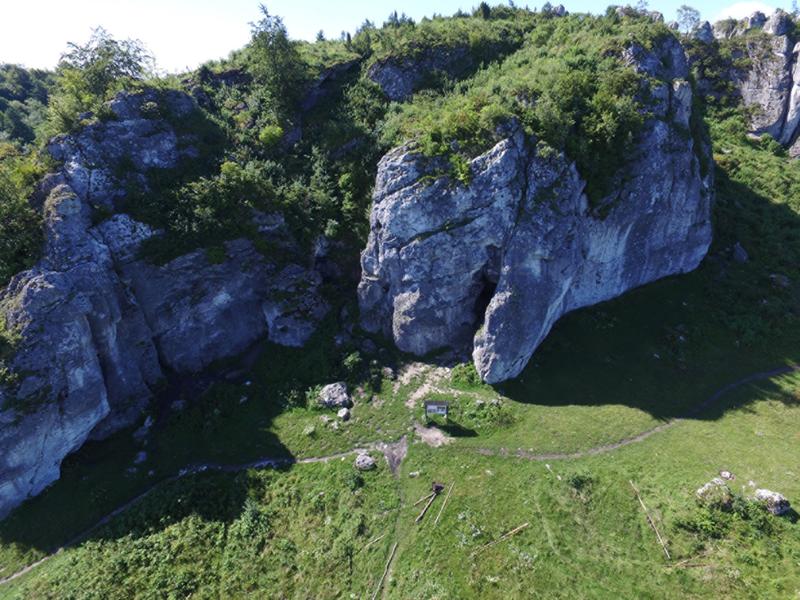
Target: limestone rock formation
[(770, 82), (98, 327), (500, 260)]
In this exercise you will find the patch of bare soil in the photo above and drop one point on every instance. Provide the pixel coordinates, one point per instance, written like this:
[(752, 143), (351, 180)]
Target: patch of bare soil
[(395, 453), (433, 436)]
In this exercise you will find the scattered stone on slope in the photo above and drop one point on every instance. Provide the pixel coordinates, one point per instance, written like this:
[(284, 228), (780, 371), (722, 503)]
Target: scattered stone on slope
[(739, 254), (334, 395), (715, 494), (776, 503)]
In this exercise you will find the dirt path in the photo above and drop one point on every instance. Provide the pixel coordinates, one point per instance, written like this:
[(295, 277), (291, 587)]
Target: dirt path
[(606, 448), (394, 455), (395, 452)]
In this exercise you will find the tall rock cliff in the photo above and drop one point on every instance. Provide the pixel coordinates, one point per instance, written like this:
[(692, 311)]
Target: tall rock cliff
[(500, 260), (98, 327), (764, 71)]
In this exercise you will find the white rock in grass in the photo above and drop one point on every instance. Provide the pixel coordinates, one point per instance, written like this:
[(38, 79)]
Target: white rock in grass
[(776, 503), (334, 395), (715, 494), (364, 462), (344, 414)]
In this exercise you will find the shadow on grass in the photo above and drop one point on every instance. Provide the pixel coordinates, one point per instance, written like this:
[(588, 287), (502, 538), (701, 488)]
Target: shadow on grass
[(218, 431), (455, 430), (675, 347)]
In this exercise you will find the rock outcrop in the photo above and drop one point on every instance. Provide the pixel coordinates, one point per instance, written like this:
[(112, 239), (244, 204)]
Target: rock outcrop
[(769, 83), (98, 328), (401, 76), (500, 260)]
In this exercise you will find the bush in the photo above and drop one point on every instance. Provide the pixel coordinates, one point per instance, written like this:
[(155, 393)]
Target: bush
[(20, 225), (465, 376), (270, 135)]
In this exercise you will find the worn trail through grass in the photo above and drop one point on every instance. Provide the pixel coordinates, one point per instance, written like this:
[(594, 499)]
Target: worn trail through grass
[(395, 452)]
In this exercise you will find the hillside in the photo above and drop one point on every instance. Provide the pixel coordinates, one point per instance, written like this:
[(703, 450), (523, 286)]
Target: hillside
[(581, 232)]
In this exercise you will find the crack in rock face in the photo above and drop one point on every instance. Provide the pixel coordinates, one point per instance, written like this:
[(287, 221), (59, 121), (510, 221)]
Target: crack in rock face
[(523, 235)]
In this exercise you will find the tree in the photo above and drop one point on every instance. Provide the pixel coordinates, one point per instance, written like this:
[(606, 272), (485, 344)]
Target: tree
[(485, 11), (104, 60), (320, 36), (688, 18), (20, 225), (277, 66), (88, 73)]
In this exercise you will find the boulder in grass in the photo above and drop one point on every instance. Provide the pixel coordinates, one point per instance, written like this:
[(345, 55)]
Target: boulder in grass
[(776, 503), (364, 462), (335, 395), (715, 494), (344, 414)]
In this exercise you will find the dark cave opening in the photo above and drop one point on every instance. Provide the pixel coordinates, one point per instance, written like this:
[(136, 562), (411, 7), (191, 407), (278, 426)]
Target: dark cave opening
[(487, 289)]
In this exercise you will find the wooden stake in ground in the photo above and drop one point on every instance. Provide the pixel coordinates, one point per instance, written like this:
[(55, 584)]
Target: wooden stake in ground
[(650, 520), (446, 498), (385, 571), (505, 536)]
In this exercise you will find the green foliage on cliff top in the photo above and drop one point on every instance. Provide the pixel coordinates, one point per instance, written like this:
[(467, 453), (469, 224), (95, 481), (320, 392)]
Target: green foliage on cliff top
[(567, 85)]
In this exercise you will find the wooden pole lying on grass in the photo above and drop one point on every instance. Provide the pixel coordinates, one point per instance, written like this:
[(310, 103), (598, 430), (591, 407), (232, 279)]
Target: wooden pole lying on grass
[(446, 498), (424, 510), (501, 538), (650, 520), (421, 500), (385, 571), (377, 539)]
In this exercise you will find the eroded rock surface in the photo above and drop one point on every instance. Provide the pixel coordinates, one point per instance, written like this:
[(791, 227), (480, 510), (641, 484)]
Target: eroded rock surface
[(500, 260), (98, 327)]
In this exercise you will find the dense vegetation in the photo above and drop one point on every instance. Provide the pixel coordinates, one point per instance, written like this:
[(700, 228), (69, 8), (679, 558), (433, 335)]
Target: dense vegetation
[(566, 85), (24, 96)]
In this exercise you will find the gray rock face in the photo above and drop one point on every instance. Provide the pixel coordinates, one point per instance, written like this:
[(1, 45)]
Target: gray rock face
[(704, 33), (771, 83), (138, 140), (86, 353), (520, 246), (399, 78), (99, 327)]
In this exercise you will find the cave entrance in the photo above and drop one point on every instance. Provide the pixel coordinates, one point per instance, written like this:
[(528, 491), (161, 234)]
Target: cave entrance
[(485, 295)]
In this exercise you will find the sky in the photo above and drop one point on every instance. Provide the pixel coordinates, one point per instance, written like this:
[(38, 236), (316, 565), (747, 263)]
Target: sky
[(182, 34)]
